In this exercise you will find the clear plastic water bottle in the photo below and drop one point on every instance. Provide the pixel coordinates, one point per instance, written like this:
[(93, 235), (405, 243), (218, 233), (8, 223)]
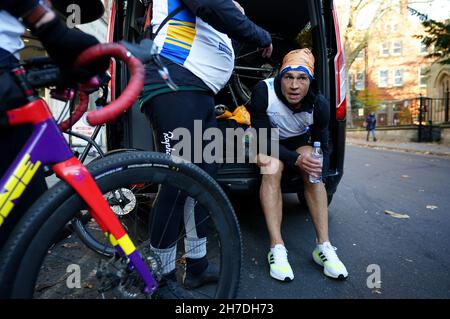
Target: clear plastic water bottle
[(316, 153), (246, 141)]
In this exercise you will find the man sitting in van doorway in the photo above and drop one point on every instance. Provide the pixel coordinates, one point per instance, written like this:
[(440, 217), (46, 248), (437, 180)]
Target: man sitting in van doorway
[(292, 103)]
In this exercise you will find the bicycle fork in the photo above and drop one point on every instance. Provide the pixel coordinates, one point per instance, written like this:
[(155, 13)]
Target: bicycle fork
[(73, 172)]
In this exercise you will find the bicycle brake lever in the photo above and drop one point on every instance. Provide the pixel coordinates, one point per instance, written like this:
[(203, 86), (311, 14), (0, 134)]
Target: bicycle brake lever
[(147, 51), (90, 86), (143, 51), (164, 73)]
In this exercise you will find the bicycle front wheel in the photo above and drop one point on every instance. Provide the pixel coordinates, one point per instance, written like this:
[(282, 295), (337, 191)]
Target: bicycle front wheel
[(51, 268)]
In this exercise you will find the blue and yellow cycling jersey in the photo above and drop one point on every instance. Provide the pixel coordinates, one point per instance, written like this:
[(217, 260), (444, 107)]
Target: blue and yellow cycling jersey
[(191, 42)]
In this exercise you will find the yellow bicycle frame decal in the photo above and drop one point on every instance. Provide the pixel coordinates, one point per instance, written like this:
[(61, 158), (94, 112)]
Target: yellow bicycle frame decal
[(16, 185)]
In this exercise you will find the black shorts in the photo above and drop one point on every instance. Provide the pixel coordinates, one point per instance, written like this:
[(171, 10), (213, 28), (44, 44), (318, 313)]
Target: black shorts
[(292, 143)]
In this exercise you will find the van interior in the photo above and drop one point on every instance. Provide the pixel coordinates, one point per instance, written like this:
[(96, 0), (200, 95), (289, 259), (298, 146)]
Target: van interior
[(292, 24)]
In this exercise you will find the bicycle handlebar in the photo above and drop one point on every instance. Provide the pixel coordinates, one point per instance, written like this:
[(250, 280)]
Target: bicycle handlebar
[(80, 109), (131, 92)]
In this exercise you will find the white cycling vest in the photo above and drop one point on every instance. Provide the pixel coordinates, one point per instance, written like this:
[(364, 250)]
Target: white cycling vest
[(194, 44), (10, 32), (282, 117)]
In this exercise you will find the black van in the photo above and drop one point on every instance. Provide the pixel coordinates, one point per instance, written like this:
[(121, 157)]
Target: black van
[(293, 24)]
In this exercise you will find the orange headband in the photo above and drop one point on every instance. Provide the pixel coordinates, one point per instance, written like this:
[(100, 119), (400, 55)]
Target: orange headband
[(298, 60)]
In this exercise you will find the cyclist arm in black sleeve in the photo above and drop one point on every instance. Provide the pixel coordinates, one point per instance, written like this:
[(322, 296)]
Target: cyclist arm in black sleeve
[(18, 8), (63, 44), (225, 17), (260, 120), (319, 130)]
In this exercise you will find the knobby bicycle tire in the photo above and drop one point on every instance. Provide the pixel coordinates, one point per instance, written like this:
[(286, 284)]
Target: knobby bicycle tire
[(33, 238)]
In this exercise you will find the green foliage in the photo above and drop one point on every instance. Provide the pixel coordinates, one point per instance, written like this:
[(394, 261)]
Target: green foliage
[(367, 99), (438, 36), (405, 116)]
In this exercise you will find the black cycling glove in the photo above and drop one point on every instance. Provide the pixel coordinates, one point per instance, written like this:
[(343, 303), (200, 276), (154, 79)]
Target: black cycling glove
[(64, 45)]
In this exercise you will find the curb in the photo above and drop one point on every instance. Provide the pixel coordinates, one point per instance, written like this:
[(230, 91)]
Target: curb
[(399, 149)]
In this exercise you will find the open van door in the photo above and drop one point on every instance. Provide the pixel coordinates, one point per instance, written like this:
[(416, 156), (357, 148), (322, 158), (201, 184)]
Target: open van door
[(337, 97), (132, 130)]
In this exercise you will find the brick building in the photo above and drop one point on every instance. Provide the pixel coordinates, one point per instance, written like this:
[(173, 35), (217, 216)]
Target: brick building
[(393, 68)]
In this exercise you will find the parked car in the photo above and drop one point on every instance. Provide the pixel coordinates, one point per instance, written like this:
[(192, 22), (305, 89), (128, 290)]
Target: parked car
[(293, 24)]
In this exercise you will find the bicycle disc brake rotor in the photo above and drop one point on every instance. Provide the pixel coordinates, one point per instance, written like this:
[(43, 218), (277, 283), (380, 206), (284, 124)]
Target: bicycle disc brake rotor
[(122, 201)]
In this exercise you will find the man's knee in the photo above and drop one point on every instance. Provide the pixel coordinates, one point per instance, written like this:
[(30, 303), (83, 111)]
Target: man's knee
[(312, 187), (270, 167)]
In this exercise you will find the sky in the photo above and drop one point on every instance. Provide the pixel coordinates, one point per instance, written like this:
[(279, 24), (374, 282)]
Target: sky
[(435, 9)]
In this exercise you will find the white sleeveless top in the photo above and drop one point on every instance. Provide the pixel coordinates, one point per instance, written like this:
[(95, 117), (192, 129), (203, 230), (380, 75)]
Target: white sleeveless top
[(10, 31), (282, 117)]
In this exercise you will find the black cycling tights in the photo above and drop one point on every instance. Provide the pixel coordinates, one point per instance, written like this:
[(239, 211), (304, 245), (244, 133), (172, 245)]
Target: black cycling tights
[(168, 112)]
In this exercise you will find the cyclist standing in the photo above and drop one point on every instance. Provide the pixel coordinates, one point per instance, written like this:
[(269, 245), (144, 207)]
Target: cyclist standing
[(63, 45), (195, 45)]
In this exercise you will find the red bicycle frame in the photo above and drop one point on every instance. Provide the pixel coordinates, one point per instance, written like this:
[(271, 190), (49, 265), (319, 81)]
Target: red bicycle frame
[(47, 146)]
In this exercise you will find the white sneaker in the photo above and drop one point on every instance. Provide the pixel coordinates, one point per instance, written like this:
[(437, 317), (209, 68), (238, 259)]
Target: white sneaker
[(279, 265), (325, 256)]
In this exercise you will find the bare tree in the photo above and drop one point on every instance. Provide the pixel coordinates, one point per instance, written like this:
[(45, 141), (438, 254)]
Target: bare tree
[(356, 38)]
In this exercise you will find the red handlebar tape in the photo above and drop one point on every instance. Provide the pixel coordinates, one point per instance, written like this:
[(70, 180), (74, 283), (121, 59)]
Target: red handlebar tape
[(131, 92)]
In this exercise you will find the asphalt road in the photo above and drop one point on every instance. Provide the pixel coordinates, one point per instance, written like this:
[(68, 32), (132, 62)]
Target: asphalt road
[(412, 253)]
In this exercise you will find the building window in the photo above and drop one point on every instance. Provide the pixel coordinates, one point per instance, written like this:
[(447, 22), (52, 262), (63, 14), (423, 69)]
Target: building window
[(423, 50), (384, 49), (398, 77), (383, 77), (397, 48), (423, 76), (390, 27), (359, 85)]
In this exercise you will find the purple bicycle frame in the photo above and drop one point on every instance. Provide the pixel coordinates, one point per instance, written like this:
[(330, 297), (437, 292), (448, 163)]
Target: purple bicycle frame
[(45, 146)]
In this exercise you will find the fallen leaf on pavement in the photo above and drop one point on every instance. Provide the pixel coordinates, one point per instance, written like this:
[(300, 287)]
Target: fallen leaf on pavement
[(396, 215), (88, 285), (376, 291), (431, 207)]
